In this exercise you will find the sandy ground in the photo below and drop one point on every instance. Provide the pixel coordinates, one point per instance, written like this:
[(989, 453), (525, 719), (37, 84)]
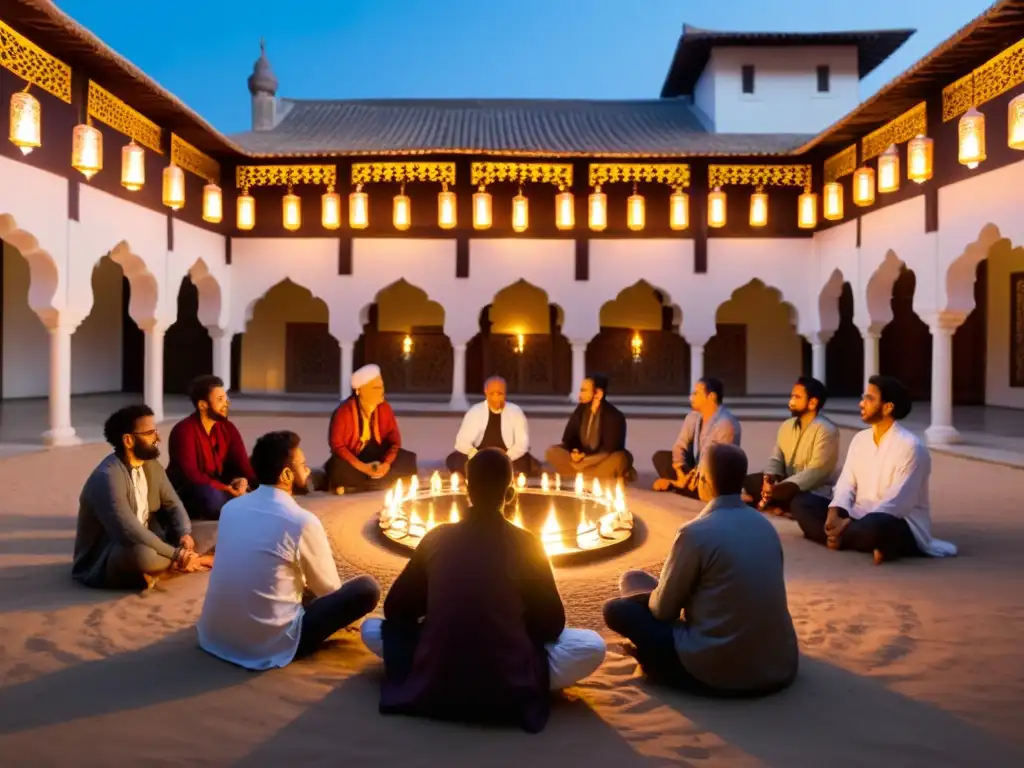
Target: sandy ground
[(910, 664)]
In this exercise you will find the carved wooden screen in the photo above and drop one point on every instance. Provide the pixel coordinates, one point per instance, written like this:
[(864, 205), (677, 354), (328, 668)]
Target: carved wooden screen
[(428, 369), (663, 367), (312, 359)]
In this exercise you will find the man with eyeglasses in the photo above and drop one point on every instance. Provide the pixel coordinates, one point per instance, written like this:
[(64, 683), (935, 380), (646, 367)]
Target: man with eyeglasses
[(132, 526)]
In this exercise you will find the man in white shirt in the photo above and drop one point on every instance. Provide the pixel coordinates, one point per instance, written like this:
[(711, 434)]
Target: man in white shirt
[(880, 504), (271, 556), (494, 423)]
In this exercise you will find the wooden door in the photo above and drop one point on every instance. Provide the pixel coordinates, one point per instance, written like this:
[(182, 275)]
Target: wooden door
[(312, 359), (725, 358)]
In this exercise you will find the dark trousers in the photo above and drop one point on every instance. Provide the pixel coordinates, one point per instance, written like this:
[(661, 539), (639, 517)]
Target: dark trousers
[(341, 474), (529, 466), (782, 496), (203, 502), (326, 615), (662, 461), (878, 530), (127, 564)]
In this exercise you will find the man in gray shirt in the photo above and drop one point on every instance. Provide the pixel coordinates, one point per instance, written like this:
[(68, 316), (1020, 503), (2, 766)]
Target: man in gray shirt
[(132, 526), (724, 574)]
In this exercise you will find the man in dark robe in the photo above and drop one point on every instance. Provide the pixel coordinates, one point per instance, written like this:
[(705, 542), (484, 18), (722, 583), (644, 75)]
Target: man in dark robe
[(208, 463), (474, 627)]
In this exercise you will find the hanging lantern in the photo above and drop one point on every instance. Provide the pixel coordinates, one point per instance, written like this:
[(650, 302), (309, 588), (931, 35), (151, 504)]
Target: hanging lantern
[(330, 209), (133, 167), (245, 211), (482, 209), (1015, 125), (833, 201), (636, 211), (565, 215), (358, 209), (26, 129), (759, 208), (972, 138), (864, 186), (291, 211), (716, 208), (597, 210), (678, 210), (919, 159), (807, 210), (174, 187), (213, 204), (447, 214), (889, 170), (401, 211), (520, 213), (87, 150)]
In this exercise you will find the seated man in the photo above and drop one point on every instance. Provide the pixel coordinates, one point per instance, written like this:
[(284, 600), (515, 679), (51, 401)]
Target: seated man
[(494, 423), (594, 441), (275, 594), (724, 574), (474, 627), (880, 504), (805, 455), (365, 442), (208, 464), (708, 423), (132, 526)]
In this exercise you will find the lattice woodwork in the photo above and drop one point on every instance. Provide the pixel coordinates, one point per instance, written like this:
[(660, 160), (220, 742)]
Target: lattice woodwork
[(675, 175), (913, 122), (993, 78), (185, 156), (427, 371), (249, 176), (841, 164), (107, 108), (760, 175), (34, 65), (366, 173), (559, 174)]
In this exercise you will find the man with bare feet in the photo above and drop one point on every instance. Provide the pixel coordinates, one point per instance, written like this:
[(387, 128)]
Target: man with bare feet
[(132, 527), (881, 502), (275, 594), (717, 621)]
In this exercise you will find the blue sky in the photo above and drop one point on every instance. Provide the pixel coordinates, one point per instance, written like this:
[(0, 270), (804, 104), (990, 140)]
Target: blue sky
[(204, 51)]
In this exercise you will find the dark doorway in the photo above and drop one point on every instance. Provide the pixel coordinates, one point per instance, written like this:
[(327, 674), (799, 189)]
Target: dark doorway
[(188, 348)]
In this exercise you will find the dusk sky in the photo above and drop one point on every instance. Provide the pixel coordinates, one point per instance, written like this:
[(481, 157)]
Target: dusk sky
[(203, 51)]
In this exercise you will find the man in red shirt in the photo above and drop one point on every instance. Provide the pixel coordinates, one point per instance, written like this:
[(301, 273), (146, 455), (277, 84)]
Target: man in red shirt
[(366, 446), (208, 462)]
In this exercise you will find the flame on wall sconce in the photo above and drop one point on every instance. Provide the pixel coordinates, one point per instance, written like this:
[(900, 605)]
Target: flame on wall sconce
[(636, 344), (520, 344), (407, 347)]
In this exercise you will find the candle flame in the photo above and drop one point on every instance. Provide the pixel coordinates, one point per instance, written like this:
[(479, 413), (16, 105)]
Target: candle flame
[(435, 483), (453, 513), (389, 499), (414, 486), (455, 482), (399, 492), (551, 534), (431, 519), (521, 481), (558, 482), (596, 488), (579, 484), (544, 482)]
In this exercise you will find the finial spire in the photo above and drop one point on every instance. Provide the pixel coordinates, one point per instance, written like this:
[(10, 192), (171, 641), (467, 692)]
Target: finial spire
[(262, 79)]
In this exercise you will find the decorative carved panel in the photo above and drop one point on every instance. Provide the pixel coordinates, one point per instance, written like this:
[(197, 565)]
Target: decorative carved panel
[(544, 367), (428, 369), (725, 358), (1017, 329), (312, 359), (663, 368)]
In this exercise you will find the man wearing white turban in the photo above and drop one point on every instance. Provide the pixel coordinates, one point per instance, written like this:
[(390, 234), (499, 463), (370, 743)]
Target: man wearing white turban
[(366, 445)]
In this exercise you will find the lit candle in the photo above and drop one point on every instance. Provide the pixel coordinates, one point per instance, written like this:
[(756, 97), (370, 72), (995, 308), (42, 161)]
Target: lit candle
[(435, 484), (558, 482), (455, 482), (544, 482), (399, 492), (596, 489), (579, 483), (389, 499), (414, 486), (431, 518), (453, 513), (521, 481)]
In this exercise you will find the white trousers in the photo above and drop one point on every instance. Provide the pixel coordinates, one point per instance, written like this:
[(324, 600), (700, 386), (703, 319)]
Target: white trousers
[(573, 656)]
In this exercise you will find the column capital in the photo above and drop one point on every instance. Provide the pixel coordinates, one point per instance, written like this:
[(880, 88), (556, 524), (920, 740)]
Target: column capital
[(945, 322), (458, 344), (818, 337), (217, 332), (872, 330), (574, 343), (153, 325), (56, 321)]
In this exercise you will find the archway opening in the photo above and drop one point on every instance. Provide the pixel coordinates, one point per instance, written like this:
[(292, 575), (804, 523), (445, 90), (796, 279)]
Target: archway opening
[(905, 346), (188, 348), (24, 341), (844, 353)]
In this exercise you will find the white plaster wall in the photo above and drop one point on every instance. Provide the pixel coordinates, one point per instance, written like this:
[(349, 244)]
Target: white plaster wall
[(838, 262), (1003, 260), (785, 98), (704, 92), (96, 348), (200, 254)]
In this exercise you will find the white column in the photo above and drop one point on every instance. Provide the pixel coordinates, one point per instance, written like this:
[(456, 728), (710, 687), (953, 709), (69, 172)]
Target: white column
[(221, 353), (696, 364), (61, 432), (348, 349), (579, 367), (153, 386), (819, 343), (458, 401), (942, 431), (871, 338)]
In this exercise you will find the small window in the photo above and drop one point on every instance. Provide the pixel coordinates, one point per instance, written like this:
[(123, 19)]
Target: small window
[(823, 79), (747, 74)]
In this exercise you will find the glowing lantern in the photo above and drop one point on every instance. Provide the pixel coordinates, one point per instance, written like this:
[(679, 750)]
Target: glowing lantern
[(87, 150), (213, 204), (520, 213), (447, 214), (1015, 125), (807, 211), (401, 211), (972, 138), (358, 209), (482, 209), (716, 208), (565, 215), (636, 212), (26, 129), (597, 210), (864, 186), (833, 201), (174, 187), (678, 210), (919, 159), (291, 211), (758, 208), (889, 170), (245, 211), (330, 209), (133, 167)]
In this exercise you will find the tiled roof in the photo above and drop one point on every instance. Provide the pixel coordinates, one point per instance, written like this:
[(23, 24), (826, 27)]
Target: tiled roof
[(524, 127)]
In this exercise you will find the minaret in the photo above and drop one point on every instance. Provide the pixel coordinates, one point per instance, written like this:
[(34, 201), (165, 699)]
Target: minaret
[(263, 87)]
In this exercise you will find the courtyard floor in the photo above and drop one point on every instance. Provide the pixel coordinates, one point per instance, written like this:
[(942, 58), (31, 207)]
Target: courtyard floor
[(916, 663)]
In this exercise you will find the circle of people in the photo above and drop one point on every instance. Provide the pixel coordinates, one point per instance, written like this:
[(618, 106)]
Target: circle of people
[(474, 627)]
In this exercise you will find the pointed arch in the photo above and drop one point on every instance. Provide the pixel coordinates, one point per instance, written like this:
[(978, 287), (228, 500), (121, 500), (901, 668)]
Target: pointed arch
[(44, 275), (144, 287), (963, 270), (878, 291), (210, 294), (828, 302)]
